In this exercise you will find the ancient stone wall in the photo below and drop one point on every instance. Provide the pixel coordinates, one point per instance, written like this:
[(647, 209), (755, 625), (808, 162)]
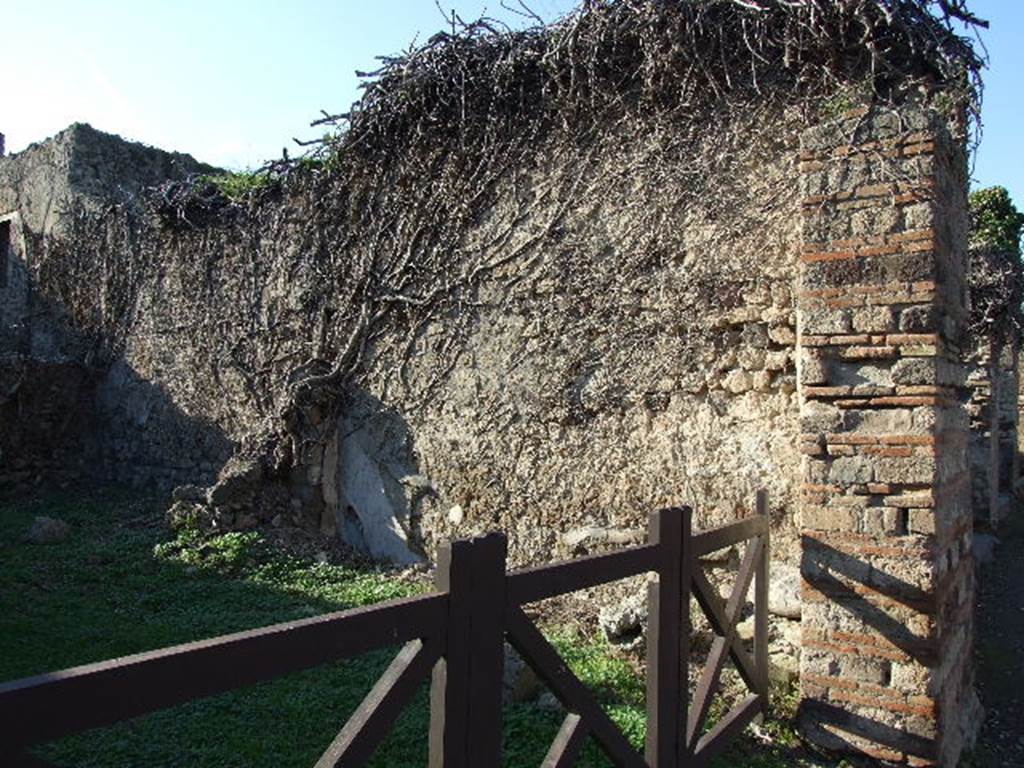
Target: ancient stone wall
[(597, 371), (82, 166), (583, 383), (886, 523), (43, 385), (1008, 412), (34, 184), (984, 441), (993, 380), (545, 283), (49, 365)]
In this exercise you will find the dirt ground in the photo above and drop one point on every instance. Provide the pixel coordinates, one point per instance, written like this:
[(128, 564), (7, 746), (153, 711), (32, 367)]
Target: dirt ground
[(999, 649)]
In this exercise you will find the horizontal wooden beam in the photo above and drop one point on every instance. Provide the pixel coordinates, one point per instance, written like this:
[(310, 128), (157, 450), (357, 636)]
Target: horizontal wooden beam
[(47, 707), (531, 584), (727, 535)]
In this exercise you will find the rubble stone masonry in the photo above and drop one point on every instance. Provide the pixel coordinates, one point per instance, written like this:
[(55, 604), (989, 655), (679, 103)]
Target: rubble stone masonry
[(885, 511), (993, 382)]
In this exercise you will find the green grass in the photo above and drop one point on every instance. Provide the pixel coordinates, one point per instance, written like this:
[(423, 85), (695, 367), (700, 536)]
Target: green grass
[(239, 185), (121, 583)]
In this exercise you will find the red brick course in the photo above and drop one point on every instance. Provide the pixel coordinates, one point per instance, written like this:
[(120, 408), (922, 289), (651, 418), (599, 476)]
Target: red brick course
[(883, 548)]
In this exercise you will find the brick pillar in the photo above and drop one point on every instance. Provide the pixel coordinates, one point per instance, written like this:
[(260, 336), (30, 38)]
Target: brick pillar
[(886, 519)]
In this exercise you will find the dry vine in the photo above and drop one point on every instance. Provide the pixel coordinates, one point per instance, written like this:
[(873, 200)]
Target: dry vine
[(997, 290), (376, 216)]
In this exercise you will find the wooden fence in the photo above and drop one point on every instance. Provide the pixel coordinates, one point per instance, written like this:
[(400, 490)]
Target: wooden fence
[(457, 635)]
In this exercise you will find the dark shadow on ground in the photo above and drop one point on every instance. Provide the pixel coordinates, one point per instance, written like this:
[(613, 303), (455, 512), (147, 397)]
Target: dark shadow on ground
[(999, 650), (116, 587)]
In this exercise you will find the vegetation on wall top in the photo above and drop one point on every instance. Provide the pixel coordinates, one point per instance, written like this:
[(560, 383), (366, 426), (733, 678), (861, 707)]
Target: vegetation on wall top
[(480, 84), (680, 97), (995, 220), (997, 275)]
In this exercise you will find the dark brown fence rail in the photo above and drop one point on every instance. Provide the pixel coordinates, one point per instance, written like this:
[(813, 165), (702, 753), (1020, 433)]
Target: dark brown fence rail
[(457, 635)]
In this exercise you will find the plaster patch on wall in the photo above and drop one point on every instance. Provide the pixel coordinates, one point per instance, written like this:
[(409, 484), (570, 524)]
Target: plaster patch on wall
[(371, 483)]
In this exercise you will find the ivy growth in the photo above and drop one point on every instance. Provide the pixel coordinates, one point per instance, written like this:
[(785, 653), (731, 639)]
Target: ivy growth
[(997, 275), (995, 221), (239, 185)]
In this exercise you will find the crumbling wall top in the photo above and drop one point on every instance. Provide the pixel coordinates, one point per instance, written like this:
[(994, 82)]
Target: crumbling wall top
[(82, 164)]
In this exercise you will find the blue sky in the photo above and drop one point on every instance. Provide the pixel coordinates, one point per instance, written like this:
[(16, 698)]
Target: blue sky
[(232, 81), (1000, 158), (229, 81)]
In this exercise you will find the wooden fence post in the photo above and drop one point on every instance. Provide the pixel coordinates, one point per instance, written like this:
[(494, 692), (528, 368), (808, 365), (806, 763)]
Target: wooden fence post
[(465, 693), (668, 638), (761, 576)]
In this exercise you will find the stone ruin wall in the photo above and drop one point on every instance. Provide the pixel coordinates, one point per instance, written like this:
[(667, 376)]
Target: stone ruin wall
[(994, 382), (574, 402), (43, 377), (50, 369), (1008, 411), (41, 380)]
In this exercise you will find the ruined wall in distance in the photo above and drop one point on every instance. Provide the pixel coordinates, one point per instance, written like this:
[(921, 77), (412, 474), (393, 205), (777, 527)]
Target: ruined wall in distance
[(50, 364)]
